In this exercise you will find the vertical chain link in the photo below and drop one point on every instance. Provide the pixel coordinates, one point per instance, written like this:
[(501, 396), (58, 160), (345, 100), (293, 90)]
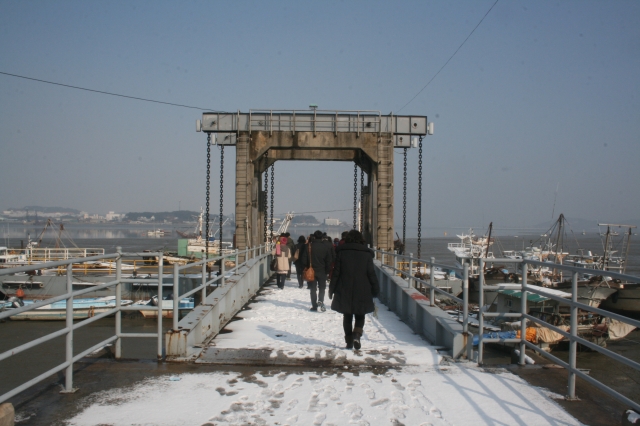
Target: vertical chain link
[(221, 191), (420, 197), (272, 185), (355, 193), (266, 191), (206, 232), (404, 202), (361, 199)]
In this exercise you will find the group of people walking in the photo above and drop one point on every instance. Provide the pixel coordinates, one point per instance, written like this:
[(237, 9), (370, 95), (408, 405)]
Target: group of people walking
[(347, 265)]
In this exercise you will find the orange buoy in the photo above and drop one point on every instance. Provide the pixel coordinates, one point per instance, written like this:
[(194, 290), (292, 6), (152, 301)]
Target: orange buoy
[(20, 292)]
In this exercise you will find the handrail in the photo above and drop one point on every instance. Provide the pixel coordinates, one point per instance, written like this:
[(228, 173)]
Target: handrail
[(572, 335), (249, 253), (524, 287)]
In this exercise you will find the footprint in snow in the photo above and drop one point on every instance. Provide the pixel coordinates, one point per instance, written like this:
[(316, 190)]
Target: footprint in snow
[(296, 384), (354, 411), (367, 389), (320, 417), (381, 401), (291, 405)]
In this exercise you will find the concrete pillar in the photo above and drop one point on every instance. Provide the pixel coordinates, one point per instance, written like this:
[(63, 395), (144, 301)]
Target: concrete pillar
[(244, 182), (384, 197)]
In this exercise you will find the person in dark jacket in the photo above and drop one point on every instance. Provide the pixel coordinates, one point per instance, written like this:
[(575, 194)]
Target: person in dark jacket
[(321, 262), (354, 284), (300, 248), (292, 249)]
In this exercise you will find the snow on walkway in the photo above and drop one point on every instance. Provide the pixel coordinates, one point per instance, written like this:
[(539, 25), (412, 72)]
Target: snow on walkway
[(419, 388), (280, 327)]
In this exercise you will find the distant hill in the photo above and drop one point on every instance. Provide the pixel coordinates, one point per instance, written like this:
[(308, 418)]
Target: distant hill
[(174, 216)]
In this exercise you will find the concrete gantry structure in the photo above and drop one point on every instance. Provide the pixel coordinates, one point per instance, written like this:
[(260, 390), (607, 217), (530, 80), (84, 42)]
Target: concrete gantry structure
[(266, 136)]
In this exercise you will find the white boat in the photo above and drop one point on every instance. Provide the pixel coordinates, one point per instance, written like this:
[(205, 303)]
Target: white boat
[(470, 250), (82, 308), (185, 304)]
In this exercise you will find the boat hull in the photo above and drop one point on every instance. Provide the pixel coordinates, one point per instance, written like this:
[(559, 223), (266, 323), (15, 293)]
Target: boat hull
[(626, 300)]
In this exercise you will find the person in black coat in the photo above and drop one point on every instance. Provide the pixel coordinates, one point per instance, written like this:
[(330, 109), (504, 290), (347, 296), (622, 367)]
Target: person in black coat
[(321, 262), (354, 284), (300, 248)]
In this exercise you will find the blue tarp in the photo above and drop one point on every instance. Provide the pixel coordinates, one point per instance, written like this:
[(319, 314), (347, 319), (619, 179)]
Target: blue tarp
[(495, 335)]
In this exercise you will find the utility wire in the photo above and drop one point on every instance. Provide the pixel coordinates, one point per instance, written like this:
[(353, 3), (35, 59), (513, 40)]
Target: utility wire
[(450, 58), (106, 93)]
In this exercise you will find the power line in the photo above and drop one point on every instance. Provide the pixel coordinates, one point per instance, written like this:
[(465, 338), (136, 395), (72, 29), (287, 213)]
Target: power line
[(106, 93), (450, 58)]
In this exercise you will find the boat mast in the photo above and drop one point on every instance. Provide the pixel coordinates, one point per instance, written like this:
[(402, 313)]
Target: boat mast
[(486, 254), (605, 258), (560, 230), (626, 252)]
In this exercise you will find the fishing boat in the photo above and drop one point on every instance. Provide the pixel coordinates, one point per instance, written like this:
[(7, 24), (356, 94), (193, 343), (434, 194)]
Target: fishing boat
[(157, 233), (185, 305), (82, 308), (469, 251)]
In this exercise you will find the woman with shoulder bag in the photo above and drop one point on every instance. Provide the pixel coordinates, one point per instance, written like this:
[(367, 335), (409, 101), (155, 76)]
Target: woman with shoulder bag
[(354, 284), (282, 255), (297, 259)]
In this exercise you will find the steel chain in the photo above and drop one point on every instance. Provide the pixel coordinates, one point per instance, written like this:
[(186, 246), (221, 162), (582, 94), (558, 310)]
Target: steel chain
[(206, 232), (266, 191), (221, 190), (361, 198), (404, 202), (419, 197), (355, 193), (272, 185)]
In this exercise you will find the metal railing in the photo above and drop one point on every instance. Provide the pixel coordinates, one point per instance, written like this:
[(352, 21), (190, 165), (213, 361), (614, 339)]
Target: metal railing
[(390, 261), (70, 326), (219, 280), (421, 284), (69, 296), (571, 335)]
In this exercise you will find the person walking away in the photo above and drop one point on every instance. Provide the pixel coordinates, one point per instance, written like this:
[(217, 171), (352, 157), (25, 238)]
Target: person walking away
[(297, 260), (353, 286), (292, 250), (321, 262), (282, 253)]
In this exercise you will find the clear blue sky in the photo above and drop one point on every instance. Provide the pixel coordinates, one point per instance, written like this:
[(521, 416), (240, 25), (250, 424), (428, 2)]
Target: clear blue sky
[(543, 95)]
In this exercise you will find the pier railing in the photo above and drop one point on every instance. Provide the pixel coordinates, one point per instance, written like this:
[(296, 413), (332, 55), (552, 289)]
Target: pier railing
[(117, 310), (390, 260), (571, 335), (421, 312), (70, 326)]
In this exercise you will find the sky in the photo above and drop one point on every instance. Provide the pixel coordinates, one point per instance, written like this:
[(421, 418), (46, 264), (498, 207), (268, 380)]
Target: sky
[(536, 114)]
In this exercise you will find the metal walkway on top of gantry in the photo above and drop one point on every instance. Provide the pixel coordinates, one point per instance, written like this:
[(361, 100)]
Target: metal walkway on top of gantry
[(405, 128)]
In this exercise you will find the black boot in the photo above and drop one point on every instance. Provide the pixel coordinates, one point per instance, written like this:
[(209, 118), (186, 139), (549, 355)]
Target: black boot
[(349, 340), (357, 334)]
